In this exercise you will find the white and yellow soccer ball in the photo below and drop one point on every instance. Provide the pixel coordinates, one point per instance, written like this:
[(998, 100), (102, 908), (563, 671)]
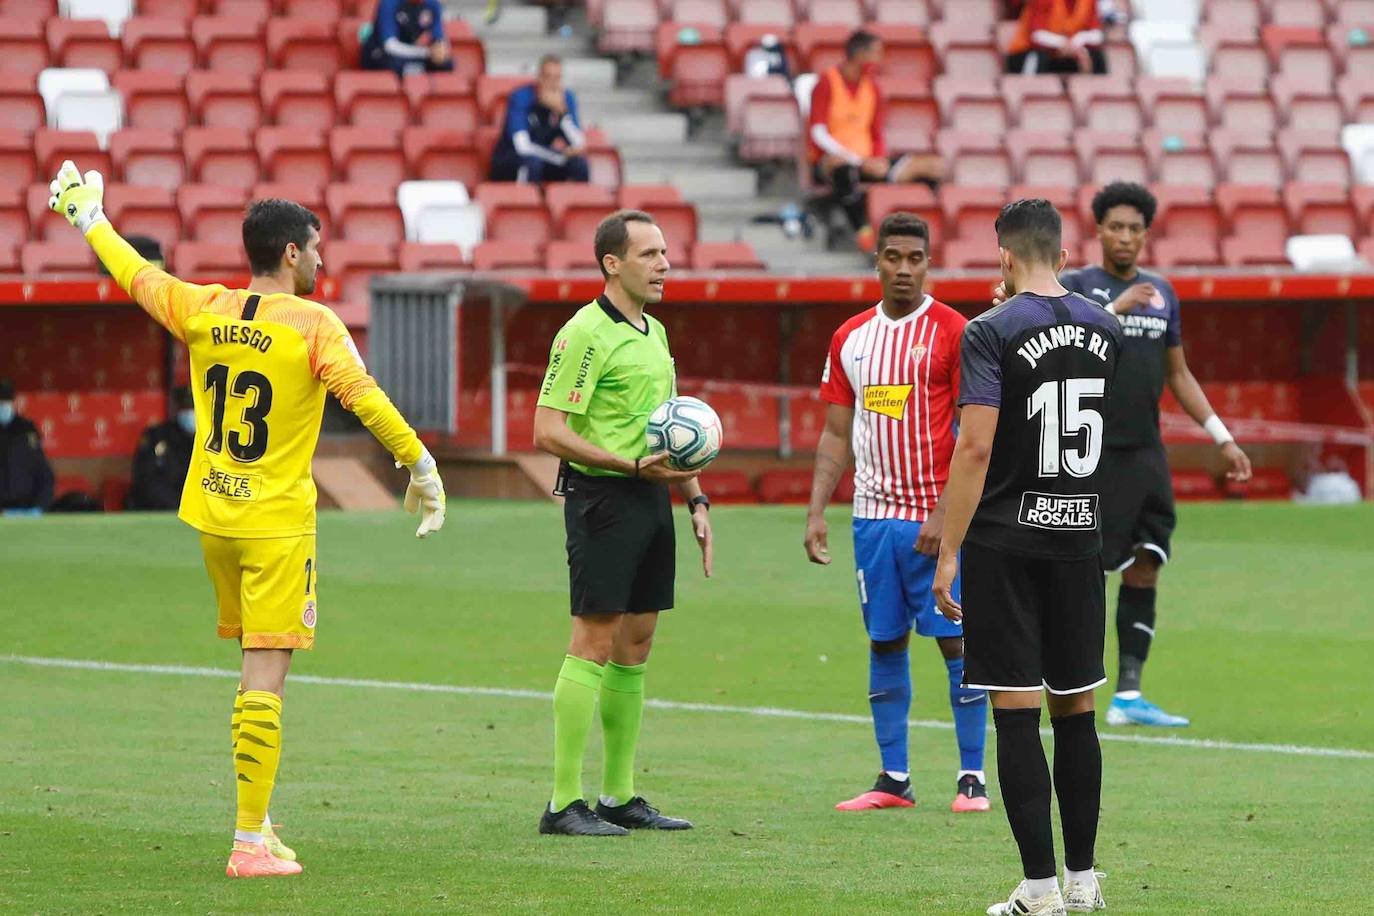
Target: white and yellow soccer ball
[(688, 430)]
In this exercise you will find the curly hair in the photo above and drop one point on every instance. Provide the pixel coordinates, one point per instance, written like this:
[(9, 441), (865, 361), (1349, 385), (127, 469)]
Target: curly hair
[(1128, 193)]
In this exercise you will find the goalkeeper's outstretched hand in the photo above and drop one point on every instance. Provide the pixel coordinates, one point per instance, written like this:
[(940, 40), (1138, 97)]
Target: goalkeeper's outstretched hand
[(425, 494), (80, 200)]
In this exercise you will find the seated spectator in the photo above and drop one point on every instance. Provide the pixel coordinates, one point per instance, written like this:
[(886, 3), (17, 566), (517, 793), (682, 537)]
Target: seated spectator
[(162, 458), (1058, 36), (767, 58), (542, 140), (845, 137), (408, 37), (25, 476)]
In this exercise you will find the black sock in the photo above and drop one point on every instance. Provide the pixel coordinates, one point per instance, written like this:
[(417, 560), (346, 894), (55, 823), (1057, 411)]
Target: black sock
[(1135, 630), (1078, 783), (1024, 777)]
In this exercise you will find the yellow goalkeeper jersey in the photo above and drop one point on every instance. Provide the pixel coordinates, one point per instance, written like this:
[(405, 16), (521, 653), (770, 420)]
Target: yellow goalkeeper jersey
[(260, 367)]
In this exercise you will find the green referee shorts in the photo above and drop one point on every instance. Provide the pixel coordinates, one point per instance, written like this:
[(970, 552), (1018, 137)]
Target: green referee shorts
[(622, 550)]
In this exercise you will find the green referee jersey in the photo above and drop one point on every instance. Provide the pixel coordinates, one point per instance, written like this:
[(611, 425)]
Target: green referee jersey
[(608, 376)]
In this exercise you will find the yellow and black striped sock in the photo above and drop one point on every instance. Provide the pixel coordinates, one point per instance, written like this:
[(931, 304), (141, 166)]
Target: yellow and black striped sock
[(256, 755), (234, 719)]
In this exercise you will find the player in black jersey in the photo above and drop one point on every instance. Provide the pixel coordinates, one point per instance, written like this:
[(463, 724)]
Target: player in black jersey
[(1022, 503), (1138, 498)]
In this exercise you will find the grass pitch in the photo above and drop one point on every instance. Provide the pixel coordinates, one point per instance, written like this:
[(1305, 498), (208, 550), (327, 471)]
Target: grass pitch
[(115, 784)]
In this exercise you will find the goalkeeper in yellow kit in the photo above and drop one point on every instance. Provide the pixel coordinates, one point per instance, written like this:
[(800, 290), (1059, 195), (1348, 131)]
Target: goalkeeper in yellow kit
[(262, 359)]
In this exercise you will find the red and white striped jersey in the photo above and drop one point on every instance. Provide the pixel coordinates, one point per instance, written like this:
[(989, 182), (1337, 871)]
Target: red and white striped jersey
[(902, 379)]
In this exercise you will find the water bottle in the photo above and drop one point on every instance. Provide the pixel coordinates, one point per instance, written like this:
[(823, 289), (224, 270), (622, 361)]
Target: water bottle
[(791, 217)]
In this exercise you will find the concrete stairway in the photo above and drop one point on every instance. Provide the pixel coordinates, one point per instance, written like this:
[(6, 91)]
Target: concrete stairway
[(657, 145)]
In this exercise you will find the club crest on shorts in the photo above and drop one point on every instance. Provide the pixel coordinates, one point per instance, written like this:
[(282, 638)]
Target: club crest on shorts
[(308, 615)]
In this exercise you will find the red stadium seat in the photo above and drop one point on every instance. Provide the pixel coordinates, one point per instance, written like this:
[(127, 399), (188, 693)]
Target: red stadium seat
[(820, 47), (1319, 209), (774, 13), (230, 43), (1362, 199), (1299, 50), (1240, 104), (1109, 156), (57, 260), (561, 256), (51, 147), (1043, 157), (21, 107), (912, 118), (505, 254), (28, 10), (1297, 14), (315, 9), (14, 226), (963, 49), (908, 55), (1243, 251), (1173, 103), (698, 71), (83, 43), (298, 98), (294, 155), (1179, 158), (1304, 102), (304, 43), (368, 155), (354, 264), (1038, 102), (365, 213), (1355, 13), (420, 256), (964, 254), (159, 44), (371, 99), (677, 217), (212, 214), (1248, 157), (1106, 104), (348, 32), (147, 210), (902, 12), (442, 100), (515, 212), (603, 160), (627, 26), (153, 98), (847, 13), (1357, 96), (889, 198), (698, 13), (256, 12), (576, 209), (213, 261), (223, 98), (1241, 59), (971, 104), (1186, 213), (1253, 210), (181, 10), (1185, 252), (45, 224), (970, 213), (22, 45), (434, 153), (726, 256), (1236, 16), (648, 196), (148, 156), (1314, 156), (771, 129), (740, 87), (976, 158), (221, 155)]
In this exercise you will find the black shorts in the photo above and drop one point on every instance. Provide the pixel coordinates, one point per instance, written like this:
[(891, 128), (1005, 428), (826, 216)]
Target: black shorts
[(823, 177), (1137, 504), (1031, 622), (622, 551)]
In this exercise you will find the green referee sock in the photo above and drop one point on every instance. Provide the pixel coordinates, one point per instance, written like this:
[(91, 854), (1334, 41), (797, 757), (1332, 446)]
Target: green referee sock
[(574, 706), (622, 709)]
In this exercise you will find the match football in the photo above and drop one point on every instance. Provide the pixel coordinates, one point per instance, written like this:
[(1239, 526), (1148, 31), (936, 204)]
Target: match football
[(778, 457)]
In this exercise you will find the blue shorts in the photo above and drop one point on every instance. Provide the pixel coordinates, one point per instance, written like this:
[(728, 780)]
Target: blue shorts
[(894, 581)]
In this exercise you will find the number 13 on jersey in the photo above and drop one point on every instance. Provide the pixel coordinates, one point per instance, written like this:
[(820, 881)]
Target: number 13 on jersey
[(255, 392)]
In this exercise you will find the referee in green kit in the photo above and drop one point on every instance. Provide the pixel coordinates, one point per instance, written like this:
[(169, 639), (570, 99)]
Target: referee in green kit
[(609, 368)]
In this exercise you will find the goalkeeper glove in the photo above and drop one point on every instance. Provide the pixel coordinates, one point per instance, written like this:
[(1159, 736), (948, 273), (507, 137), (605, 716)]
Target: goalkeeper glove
[(425, 494), (80, 201)]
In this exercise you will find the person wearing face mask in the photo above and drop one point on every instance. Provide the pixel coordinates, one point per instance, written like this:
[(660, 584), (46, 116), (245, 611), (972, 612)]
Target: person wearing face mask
[(162, 458), (25, 475)]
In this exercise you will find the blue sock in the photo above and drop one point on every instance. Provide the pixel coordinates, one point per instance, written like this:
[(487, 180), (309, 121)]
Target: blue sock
[(889, 695), (970, 708)]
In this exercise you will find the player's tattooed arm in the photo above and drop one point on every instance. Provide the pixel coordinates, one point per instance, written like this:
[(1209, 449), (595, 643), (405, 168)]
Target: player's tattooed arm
[(832, 457)]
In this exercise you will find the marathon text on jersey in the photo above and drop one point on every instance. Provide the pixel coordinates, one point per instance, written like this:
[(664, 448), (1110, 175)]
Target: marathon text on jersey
[(1062, 335), (1059, 512), (1144, 325), (241, 334)]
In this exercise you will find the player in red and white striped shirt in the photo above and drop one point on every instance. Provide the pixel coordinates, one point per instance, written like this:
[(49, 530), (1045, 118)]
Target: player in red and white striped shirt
[(892, 383)]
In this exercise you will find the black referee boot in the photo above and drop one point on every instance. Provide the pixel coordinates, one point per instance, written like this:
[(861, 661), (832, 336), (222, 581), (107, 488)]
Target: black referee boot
[(578, 820), (637, 814)]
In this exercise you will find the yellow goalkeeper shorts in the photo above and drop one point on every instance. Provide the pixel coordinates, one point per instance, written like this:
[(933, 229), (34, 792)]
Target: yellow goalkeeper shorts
[(265, 588)]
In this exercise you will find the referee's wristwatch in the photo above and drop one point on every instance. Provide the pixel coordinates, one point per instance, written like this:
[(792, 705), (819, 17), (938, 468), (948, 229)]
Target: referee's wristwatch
[(697, 501)]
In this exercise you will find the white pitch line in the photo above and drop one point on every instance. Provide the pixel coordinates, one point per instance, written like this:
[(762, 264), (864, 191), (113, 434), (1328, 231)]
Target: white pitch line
[(1202, 744)]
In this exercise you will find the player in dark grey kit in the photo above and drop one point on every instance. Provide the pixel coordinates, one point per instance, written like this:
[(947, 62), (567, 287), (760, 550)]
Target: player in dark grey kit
[(1138, 498), (1022, 504)]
